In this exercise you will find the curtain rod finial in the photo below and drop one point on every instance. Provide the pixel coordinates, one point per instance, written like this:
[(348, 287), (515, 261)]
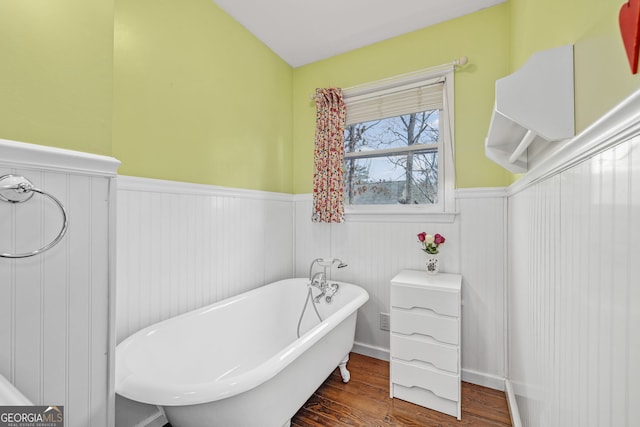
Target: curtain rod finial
[(461, 61)]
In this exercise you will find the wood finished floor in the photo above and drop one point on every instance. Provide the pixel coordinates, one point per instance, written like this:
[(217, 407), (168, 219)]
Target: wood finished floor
[(365, 402)]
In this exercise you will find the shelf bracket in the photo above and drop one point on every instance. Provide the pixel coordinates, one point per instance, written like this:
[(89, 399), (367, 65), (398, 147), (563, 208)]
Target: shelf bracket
[(527, 139)]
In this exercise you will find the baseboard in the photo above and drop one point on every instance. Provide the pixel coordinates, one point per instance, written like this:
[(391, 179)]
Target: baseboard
[(482, 379), (371, 351), (513, 404)]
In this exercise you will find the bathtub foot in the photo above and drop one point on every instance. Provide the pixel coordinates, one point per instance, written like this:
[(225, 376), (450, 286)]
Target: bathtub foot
[(346, 375)]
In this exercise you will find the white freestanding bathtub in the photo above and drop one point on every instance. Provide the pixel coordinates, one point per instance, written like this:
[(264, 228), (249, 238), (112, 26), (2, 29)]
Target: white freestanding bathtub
[(238, 362)]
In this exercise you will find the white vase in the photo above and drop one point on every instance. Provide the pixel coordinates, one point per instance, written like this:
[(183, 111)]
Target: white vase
[(433, 264)]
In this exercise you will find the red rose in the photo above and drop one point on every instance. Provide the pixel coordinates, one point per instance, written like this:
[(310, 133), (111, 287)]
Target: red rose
[(422, 236), (438, 239)]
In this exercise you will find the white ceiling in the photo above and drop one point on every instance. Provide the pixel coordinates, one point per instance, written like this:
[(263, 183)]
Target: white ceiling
[(304, 31)]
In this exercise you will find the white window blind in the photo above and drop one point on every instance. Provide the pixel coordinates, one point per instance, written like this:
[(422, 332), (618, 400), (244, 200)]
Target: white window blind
[(395, 101)]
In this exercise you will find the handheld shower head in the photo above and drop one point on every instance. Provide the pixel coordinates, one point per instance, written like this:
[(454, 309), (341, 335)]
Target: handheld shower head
[(325, 263), (340, 263)]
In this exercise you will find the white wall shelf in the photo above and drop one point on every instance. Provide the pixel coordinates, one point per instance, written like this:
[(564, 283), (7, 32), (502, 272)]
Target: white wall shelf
[(534, 106)]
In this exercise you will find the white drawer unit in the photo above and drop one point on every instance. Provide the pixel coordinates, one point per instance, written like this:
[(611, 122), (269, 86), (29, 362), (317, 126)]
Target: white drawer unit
[(425, 340)]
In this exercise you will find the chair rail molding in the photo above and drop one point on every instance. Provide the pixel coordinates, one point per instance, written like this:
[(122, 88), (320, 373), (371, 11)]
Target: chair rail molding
[(617, 126), (34, 156)]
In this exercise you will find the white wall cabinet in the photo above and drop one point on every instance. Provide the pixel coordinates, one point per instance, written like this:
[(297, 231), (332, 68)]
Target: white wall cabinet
[(425, 340)]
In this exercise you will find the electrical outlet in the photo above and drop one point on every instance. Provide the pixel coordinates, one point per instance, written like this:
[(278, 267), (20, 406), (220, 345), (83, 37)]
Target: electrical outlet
[(384, 322)]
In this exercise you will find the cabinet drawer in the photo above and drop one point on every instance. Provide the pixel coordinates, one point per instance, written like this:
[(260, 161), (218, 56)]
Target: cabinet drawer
[(441, 356), (441, 302), (407, 322), (440, 383), (425, 398)]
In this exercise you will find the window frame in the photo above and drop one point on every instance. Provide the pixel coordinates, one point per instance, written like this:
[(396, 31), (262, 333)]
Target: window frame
[(444, 210)]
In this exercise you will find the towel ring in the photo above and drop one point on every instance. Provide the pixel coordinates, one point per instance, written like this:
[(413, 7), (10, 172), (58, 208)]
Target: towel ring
[(18, 189)]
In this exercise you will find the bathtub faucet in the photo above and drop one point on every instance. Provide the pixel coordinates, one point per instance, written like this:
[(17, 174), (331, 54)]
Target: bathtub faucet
[(319, 279), (331, 290)]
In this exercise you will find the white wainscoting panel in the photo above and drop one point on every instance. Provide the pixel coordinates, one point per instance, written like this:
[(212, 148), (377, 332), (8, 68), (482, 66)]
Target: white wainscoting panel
[(574, 294), (183, 246), (377, 248), (482, 255), (55, 323)]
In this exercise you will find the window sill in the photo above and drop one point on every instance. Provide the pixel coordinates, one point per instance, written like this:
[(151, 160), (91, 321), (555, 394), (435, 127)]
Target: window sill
[(396, 214)]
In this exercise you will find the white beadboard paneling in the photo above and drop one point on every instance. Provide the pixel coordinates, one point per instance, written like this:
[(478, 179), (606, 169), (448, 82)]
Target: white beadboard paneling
[(27, 320), (79, 288), (99, 298), (537, 243), (312, 240), (482, 255), (7, 286), (574, 304), (279, 236), (632, 303), (56, 300), (55, 306), (376, 252), (377, 248), (183, 246), (159, 270)]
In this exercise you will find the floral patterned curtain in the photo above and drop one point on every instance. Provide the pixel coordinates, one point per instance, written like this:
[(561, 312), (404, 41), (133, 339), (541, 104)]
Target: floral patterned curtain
[(328, 203)]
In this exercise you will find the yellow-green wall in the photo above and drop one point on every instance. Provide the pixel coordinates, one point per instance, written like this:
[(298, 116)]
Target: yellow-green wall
[(602, 73), (178, 90), (483, 37), (56, 73), (174, 89), (197, 98)]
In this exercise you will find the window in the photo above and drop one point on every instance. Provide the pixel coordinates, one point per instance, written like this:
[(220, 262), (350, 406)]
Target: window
[(398, 143)]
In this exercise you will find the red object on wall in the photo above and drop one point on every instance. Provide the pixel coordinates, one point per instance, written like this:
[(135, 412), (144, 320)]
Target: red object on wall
[(629, 20)]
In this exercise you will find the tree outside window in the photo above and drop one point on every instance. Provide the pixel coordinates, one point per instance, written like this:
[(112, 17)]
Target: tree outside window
[(393, 160)]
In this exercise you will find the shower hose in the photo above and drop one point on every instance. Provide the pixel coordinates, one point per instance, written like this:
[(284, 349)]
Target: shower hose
[(306, 301)]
